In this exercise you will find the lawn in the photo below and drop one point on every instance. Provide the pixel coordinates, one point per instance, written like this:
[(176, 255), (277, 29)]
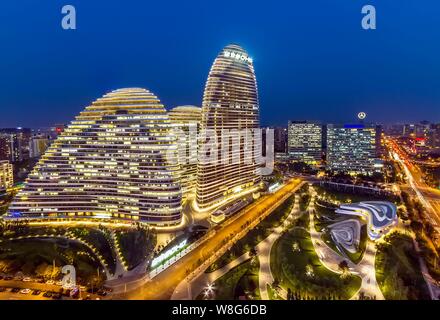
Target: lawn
[(101, 240), (397, 269), (253, 237), (351, 197), (136, 245), (296, 266), (241, 281)]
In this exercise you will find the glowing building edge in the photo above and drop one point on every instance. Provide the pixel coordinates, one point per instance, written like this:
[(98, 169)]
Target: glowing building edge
[(230, 102), (111, 162)]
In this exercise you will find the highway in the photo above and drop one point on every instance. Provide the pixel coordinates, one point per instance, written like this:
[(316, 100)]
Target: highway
[(428, 196), (163, 285)]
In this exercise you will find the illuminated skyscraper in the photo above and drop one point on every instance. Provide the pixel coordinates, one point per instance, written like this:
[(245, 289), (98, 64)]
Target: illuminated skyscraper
[(185, 121), (15, 144), (6, 175), (230, 107), (110, 162), (352, 148), (305, 141)]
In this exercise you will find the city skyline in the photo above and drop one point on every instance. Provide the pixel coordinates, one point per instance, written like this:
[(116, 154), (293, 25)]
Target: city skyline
[(350, 70), (229, 151)]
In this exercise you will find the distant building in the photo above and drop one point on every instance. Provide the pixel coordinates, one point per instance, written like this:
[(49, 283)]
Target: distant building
[(352, 149), (15, 144), (5, 147), (418, 130), (305, 141), (379, 148), (38, 145), (433, 139), (6, 175), (280, 139), (395, 130)]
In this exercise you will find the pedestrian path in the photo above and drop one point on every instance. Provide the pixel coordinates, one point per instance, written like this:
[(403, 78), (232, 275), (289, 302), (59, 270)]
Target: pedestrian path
[(331, 260), (264, 248)]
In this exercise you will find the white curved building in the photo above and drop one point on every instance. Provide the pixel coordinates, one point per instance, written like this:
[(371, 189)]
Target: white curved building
[(185, 121), (110, 162), (379, 215), (230, 111)]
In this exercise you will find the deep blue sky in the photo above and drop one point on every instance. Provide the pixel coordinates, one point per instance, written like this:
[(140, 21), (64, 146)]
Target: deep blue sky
[(312, 58)]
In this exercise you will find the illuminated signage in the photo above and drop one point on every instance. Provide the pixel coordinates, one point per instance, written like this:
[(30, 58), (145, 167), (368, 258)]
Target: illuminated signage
[(167, 254), (237, 56), (354, 126)]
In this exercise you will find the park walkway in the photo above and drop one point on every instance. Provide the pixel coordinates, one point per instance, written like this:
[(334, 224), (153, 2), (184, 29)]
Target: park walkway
[(191, 287), (331, 260), (264, 248)]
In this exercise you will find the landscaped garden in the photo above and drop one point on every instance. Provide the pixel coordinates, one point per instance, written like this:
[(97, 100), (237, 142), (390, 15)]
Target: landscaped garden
[(136, 245), (37, 258), (324, 217), (297, 268), (101, 240), (256, 235), (240, 282), (397, 269)]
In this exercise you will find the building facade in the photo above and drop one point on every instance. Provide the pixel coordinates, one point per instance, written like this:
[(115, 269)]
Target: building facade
[(305, 141), (230, 116), (38, 145), (280, 139), (351, 148), (14, 144), (185, 121), (111, 162), (6, 175)]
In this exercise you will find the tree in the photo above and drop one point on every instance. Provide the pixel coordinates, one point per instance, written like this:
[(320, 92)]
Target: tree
[(252, 252)]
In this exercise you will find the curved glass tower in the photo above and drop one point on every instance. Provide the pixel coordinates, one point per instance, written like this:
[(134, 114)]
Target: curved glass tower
[(230, 111), (111, 162), (185, 121)]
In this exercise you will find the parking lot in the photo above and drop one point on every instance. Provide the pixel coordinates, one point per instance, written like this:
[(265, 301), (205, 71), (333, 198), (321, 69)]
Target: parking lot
[(11, 289)]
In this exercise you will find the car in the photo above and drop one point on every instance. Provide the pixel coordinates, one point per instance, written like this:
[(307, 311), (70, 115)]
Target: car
[(1, 277), (102, 293), (27, 279), (25, 291), (15, 290), (56, 296), (2, 289), (47, 294), (36, 292), (7, 278), (50, 282)]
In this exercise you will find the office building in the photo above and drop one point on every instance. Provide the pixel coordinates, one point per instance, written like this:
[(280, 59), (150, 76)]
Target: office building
[(352, 149), (230, 120), (114, 161), (6, 175), (305, 141)]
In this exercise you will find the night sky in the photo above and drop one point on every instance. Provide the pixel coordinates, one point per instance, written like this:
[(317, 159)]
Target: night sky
[(312, 58)]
